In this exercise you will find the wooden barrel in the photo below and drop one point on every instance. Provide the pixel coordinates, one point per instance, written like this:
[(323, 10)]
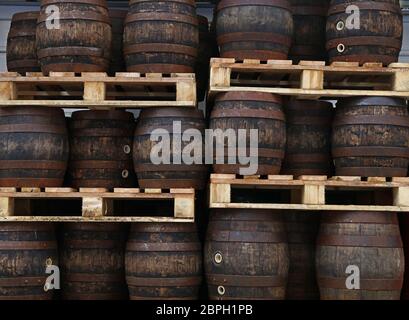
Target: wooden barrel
[(21, 43), (161, 36), (405, 239), (81, 42), (33, 147), (117, 56), (101, 149), (246, 255), (25, 251), (163, 261), (378, 38), (302, 231), (92, 261), (167, 173), (369, 241), (251, 110), (309, 125), (254, 29), (310, 17), (371, 137)]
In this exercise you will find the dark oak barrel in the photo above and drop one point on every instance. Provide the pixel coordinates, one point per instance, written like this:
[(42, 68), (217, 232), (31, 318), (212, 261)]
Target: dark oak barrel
[(254, 29), (302, 231), (310, 17), (370, 137), (405, 239), (33, 147), (161, 36), (82, 43), (252, 110), (163, 261), (101, 149), (368, 240), (169, 175), (117, 17), (92, 261), (378, 38), (246, 255), (21, 43), (309, 125), (25, 251)]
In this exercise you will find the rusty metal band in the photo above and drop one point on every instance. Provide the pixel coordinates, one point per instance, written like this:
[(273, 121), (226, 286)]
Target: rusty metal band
[(246, 281), (160, 48), (91, 2), (163, 282), (22, 281), (48, 113), (18, 33), (256, 54), (41, 296), (360, 241), (160, 68), (26, 63), (69, 51), (170, 167), (92, 277), (305, 50), (148, 129), (254, 37), (323, 171), (235, 169), (247, 236), (76, 16), (372, 120), (31, 182), (249, 96), (100, 66), (98, 227), (309, 11), (140, 298), (32, 164), (91, 244), (249, 113), (365, 284), (28, 245), (360, 217), (372, 171), (164, 228), (18, 227), (310, 121), (100, 132), (192, 3), (366, 5), (25, 16), (376, 151), (307, 157), (100, 164), (163, 247), (385, 59), (33, 128), (261, 152), (160, 17), (365, 41), (284, 4), (94, 296)]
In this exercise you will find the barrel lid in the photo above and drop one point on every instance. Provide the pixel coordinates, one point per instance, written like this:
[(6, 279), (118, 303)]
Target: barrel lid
[(371, 101), (172, 112), (249, 96), (28, 15), (103, 115)]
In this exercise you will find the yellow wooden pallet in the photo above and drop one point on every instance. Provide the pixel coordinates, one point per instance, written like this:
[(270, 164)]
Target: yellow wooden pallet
[(309, 79), (97, 204), (97, 90), (308, 192)]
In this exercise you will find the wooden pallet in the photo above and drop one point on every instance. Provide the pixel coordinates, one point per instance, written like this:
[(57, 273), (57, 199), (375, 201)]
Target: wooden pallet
[(97, 90), (308, 192), (309, 79), (97, 204)]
